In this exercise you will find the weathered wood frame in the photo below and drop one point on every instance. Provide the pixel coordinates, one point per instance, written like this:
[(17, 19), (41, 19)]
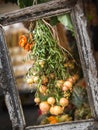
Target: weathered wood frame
[(7, 82)]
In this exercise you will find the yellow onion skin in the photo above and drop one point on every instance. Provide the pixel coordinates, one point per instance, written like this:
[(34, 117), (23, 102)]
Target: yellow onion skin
[(29, 80), (65, 88), (56, 110), (44, 80), (75, 78), (64, 102), (51, 100), (35, 79), (68, 83), (43, 89), (44, 107), (52, 75), (59, 83), (37, 100), (41, 63), (52, 110)]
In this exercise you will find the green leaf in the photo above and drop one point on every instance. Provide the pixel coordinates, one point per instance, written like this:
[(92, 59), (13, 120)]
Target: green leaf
[(79, 96), (24, 3), (83, 112), (54, 20), (66, 21)]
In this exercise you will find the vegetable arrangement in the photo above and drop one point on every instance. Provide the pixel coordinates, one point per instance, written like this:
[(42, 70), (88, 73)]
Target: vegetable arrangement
[(54, 72)]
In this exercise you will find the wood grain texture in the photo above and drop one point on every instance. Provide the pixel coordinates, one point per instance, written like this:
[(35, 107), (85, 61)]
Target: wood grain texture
[(86, 55), (35, 12), (9, 87), (80, 125)]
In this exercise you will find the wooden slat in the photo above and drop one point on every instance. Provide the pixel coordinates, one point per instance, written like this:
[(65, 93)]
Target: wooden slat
[(35, 12), (80, 125), (87, 56), (7, 83)]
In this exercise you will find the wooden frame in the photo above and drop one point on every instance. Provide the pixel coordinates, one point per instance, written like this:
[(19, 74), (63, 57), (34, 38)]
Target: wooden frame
[(49, 9), (7, 83)]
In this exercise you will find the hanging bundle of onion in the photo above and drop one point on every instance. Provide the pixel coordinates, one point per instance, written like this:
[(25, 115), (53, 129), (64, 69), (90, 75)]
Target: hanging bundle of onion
[(54, 81)]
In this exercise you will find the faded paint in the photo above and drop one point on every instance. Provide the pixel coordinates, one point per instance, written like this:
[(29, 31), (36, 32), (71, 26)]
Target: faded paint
[(79, 125)]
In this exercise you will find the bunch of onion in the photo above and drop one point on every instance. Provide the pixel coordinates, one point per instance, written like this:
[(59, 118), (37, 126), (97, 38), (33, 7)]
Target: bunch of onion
[(54, 81), (68, 84), (51, 104), (32, 79)]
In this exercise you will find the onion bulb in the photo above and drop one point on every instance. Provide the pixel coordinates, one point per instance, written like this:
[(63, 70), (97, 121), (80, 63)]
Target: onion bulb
[(44, 107), (64, 102), (52, 110), (44, 80), (35, 79), (29, 80), (70, 80), (75, 78), (37, 100), (67, 86), (68, 83), (52, 76), (43, 89), (60, 83), (51, 100), (57, 110), (41, 63)]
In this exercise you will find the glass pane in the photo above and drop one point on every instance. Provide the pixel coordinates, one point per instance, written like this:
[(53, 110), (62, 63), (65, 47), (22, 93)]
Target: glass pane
[(48, 71)]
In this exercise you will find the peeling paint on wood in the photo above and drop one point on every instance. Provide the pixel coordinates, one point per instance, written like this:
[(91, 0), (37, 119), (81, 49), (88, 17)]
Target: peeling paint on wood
[(49, 9), (86, 55), (10, 107), (9, 86), (78, 125)]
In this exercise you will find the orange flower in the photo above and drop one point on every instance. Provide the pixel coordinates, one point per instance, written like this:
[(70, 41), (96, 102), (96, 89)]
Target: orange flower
[(31, 45), (22, 43), (52, 120), (22, 40), (27, 47)]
